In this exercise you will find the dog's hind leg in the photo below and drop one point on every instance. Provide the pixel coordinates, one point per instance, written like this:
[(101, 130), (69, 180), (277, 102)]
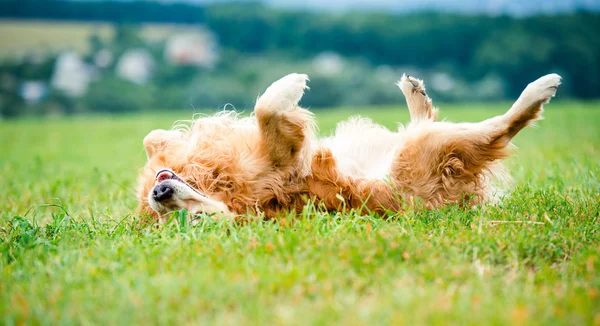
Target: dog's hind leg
[(442, 162), (527, 109), (287, 131), (419, 104)]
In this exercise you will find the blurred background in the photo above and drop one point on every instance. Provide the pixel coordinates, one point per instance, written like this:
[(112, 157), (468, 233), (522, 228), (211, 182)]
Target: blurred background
[(65, 57)]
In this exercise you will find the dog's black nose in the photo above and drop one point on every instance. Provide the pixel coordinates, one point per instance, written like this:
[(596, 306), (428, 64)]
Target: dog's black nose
[(162, 192)]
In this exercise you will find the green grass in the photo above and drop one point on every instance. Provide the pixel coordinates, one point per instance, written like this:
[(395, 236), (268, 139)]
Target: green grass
[(73, 253)]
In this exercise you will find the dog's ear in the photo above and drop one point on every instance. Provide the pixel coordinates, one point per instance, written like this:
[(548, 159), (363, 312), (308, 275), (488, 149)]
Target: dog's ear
[(157, 139)]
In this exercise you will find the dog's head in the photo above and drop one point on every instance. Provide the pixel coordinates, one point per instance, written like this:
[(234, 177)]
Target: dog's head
[(177, 176)]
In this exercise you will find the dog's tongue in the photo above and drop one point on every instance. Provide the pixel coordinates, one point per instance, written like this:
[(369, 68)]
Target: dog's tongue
[(164, 175)]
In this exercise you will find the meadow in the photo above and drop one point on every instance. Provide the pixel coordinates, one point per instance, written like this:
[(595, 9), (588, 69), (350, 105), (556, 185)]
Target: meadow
[(21, 36), (72, 250)]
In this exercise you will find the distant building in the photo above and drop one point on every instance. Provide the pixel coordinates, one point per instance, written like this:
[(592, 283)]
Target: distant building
[(136, 65), (71, 75), (328, 63), (442, 82), (33, 91), (196, 48), (103, 58)]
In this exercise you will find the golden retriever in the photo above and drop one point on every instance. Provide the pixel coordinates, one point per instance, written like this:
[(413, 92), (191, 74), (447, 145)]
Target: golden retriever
[(272, 161)]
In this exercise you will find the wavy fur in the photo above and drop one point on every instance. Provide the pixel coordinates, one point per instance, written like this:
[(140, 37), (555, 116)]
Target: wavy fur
[(272, 161)]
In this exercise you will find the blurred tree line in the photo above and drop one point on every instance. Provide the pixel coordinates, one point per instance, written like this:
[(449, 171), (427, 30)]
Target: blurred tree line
[(258, 43)]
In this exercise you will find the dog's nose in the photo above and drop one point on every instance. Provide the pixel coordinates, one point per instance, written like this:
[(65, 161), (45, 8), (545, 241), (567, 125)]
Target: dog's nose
[(162, 192)]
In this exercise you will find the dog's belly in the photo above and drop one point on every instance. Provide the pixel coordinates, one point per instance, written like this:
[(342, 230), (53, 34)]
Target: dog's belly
[(363, 149)]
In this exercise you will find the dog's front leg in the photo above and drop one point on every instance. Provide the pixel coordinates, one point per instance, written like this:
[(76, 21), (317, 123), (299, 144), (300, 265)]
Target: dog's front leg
[(287, 131), (419, 104)]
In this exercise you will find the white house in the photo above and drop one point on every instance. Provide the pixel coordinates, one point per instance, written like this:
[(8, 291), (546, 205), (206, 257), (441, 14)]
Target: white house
[(33, 91), (328, 63), (197, 48), (136, 65), (71, 74), (103, 58)]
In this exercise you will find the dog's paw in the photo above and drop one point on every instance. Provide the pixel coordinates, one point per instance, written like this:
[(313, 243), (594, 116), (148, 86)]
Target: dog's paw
[(544, 88), (419, 104), (285, 93), (411, 85)]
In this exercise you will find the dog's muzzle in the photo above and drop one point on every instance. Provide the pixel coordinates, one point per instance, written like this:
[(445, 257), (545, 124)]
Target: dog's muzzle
[(171, 193), (164, 191)]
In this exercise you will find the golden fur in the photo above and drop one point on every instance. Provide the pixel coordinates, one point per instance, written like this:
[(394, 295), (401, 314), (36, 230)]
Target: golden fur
[(272, 161)]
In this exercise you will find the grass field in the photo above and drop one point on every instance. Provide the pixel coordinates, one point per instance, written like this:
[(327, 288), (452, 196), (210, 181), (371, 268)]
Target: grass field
[(71, 252)]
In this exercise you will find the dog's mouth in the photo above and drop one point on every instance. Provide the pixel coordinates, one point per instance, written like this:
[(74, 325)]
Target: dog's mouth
[(171, 193), (168, 174)]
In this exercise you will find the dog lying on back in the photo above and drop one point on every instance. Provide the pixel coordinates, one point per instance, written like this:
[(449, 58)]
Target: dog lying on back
[(273, 162)]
